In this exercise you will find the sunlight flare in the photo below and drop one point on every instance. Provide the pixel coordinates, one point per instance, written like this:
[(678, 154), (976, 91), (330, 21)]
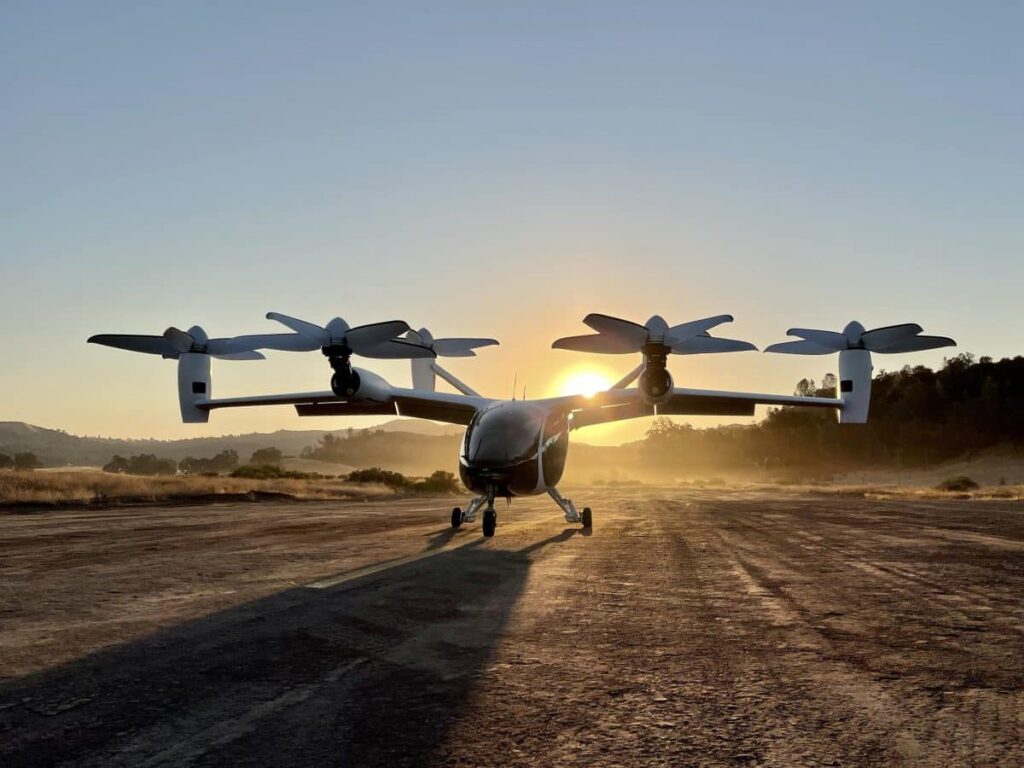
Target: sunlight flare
[(587, 382)]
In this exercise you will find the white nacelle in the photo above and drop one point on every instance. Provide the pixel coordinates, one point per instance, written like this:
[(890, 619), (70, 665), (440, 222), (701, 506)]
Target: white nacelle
[(854, 385), (194, 383), (372, 386)]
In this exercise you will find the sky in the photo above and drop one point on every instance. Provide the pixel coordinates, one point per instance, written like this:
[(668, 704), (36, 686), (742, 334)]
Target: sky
[(499, 170)]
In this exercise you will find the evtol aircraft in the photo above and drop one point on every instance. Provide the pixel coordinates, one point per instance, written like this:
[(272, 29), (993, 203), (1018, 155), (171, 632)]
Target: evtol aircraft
[(517, 447)]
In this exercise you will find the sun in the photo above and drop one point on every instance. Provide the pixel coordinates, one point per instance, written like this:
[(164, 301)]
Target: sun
[(586, 381)]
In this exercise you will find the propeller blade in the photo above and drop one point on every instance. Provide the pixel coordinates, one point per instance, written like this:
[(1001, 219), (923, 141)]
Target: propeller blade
[(179, 340), (606, 345), (629, 333), (460, 347), (693, 328), (301, 326), (801, 348), (916, 344), (701, 345), (250, 355), (150, 345), (364, 336), (285, 342), (396, 349), (228, 346), (879, 338), (834, 341)]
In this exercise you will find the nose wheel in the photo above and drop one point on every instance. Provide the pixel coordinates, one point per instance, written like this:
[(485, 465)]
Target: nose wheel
[(457, 517), (490, 522), (587, 518)]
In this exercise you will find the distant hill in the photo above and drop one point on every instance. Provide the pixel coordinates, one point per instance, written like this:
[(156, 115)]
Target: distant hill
[(58, 448), (410, 446)]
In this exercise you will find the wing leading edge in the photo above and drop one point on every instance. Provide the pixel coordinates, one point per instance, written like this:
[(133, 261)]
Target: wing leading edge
[(622, 404), (436, 406)]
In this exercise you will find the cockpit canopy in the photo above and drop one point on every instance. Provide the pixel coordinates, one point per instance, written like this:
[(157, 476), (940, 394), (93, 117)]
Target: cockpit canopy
[(504, 434)]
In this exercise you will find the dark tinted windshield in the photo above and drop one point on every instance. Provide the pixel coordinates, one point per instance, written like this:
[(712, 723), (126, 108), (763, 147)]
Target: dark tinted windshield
[(504, 434)]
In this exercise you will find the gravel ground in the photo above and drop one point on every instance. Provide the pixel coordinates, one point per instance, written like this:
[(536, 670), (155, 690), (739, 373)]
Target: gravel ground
[(691, 628)]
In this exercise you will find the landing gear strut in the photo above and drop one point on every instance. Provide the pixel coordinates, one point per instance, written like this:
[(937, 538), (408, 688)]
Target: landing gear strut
[(490, 521), (571, 515)]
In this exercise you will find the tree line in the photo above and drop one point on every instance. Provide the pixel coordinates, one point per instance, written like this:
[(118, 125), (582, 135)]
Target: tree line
[(224, 462), (23, 462), (918, 417)]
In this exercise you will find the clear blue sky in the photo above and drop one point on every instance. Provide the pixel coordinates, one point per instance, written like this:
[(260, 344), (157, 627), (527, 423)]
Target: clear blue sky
[(495, 170)]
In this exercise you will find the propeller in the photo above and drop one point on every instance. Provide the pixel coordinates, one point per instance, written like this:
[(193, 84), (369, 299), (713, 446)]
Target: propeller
[(448, 347), (889, 339), (174, 342), (619, 337), (376, 340)]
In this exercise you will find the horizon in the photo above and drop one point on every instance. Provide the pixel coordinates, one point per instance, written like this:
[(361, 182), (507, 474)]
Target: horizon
[(374, 422), (496, 173)]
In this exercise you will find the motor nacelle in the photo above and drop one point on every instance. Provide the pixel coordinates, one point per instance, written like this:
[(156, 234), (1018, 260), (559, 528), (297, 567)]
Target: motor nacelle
[(345, 383), (656, 385), (655, 382)]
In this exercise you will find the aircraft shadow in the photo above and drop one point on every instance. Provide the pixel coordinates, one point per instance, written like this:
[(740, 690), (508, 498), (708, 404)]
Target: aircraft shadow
[(374, 671)]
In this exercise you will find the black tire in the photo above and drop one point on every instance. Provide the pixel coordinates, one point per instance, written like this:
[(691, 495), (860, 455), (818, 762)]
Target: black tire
[(587, 518), (457, 517), (490, 522)]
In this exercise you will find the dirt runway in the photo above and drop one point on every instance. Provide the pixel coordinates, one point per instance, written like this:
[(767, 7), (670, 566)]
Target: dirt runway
[(691, 628)]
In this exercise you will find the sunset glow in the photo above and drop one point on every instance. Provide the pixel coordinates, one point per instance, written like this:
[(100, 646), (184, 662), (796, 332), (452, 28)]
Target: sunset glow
[(586, 382)]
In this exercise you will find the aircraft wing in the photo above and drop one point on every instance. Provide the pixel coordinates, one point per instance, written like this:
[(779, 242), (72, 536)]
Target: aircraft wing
[(436, 406), (621, 404)]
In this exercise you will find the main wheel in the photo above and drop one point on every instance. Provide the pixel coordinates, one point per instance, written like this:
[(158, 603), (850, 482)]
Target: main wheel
[(457, 517), (587, 518), (490, 522)]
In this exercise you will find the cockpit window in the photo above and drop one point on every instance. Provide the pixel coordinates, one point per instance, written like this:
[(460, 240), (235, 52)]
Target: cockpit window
[(504, 434)]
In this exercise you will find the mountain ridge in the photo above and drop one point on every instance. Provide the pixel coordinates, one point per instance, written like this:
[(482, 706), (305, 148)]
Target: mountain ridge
[(55, 447)]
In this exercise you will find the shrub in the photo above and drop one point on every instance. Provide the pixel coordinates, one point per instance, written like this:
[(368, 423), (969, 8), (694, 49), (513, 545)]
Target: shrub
[(271, 472), (225, 461), (957, 483), (143, 464), (381, 476), (265, 456), (26, 461), (439, 482)]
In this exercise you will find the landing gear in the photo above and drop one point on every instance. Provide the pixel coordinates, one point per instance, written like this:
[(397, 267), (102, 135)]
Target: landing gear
[(571, 515), (457, 517), (490, 522), (490, 516)]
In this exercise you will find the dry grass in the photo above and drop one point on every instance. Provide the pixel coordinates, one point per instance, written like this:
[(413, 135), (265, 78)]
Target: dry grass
[(90, 487), (909, 492)]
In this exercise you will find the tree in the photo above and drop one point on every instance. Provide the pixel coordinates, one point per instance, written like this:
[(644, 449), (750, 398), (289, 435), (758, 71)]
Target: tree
[(266, 456), (225, 461), (6, 462), (117, 465), (142, 464), (26, 461)]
